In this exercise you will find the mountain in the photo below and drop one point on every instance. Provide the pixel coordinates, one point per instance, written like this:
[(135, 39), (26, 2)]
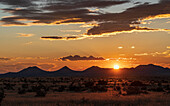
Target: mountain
[(151, 69), (94, 71), (27, 72), (97, 71), (65, 71), (32, 71)]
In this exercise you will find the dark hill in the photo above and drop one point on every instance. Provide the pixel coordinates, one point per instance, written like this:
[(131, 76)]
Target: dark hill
[(32, 72), (97, 71), (94, 71), (65, 71)]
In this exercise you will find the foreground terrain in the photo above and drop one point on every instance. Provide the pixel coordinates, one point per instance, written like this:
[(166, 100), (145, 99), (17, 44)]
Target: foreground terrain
[(84, 91)]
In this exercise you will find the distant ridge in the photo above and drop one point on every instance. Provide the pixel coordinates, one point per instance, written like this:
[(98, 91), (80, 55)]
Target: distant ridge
[(141, 70)]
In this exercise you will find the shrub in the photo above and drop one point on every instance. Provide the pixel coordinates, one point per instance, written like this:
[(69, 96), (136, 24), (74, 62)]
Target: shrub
[(136, 83), (132, 90), (2, 95), (40, 93), (21, 91)]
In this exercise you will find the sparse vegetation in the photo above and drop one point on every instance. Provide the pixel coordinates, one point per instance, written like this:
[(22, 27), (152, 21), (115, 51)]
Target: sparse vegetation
[(83, 91)]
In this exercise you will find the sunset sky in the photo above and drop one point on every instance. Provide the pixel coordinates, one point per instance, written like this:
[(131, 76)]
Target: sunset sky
[(51, 34)]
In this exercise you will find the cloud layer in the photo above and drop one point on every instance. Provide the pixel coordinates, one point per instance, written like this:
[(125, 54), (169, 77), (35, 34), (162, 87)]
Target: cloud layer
[(52, 12)]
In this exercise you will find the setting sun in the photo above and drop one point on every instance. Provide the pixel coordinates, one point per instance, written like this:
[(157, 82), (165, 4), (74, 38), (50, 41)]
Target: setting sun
[(116, 67)]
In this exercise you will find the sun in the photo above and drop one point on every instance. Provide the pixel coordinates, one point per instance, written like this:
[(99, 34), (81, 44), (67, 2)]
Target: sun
[(116, 67)]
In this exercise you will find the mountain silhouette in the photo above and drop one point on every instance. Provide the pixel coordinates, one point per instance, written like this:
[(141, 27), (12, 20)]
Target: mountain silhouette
[(27, 72), (151, 69), (95, 68), (94, 71), (32, 71), (97, 71), (65, 71)]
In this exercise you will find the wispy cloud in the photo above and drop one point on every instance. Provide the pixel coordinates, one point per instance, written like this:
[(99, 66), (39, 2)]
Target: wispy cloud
[(28, 43), (70, 30), (24, 35), (142, 54), (158, 54), (120, 47)]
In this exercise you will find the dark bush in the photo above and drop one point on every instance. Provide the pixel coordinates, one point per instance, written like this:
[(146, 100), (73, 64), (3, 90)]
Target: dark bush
[(117, 88), (136, 83), (40, 93), (102, 82), (21, 91), (132, 90), (98, 89), (89, 84), (61, 88), (2, 95), (158, 89)]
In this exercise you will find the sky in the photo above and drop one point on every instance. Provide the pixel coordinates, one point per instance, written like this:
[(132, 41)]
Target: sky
[(79, 34)]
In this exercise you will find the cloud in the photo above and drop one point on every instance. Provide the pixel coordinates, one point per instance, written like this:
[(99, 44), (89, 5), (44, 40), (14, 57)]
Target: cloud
[(24, 35), (82, 4), (60, 38), (158, 54), (70, 30), (120, 47), (31, 58), (77, 57), (160, 16), (28, 43), (142, 54), (4, 59), (20, 3), (52, 11), (61, 12)]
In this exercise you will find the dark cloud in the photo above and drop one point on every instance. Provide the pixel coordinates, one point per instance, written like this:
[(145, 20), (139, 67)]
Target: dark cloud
[(122, 21), (4, 59), (164, 0), (20, 3), (83, 3), (19, 11), (77, 57), (59, 38), (73, 11), (57, 11)]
